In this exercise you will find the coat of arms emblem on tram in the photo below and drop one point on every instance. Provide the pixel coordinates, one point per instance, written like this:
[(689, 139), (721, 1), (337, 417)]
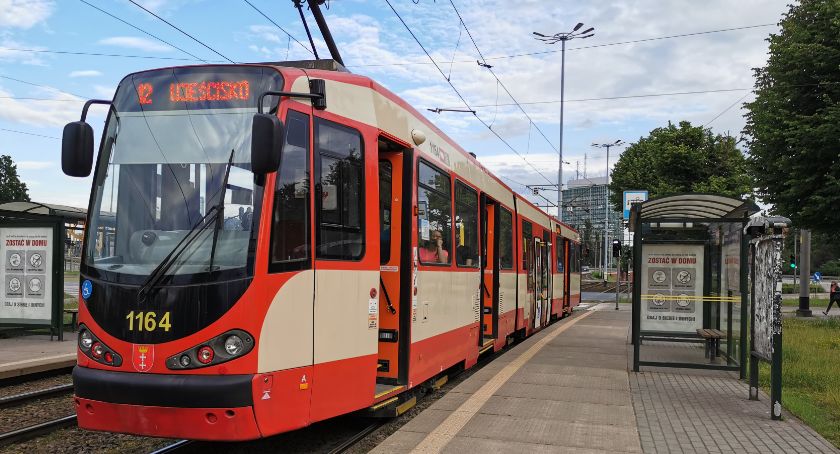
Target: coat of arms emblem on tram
[(142, 357)]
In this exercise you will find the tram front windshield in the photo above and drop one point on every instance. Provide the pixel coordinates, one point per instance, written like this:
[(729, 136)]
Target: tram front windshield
[(172, 139)]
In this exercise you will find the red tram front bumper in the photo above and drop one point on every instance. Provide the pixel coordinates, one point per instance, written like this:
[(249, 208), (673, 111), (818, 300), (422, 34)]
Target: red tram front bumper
[(199, 407), (231, 424)]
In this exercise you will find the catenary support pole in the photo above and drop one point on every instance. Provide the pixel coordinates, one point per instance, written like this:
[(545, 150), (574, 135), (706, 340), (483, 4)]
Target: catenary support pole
[(560, 158), (804, 274)]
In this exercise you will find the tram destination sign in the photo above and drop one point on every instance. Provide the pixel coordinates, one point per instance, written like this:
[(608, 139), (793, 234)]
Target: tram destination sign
[(26, 274)]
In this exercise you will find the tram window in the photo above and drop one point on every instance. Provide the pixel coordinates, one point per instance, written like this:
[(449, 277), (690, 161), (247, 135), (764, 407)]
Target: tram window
[(527, 235), (505, 243), (434, 215), (574, 258), (560, 247), (340, 202), (466, 226), (384, 211), (290, 231)]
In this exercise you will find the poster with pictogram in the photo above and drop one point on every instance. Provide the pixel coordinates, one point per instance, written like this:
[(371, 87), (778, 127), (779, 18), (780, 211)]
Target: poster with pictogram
[(672, 287), (26, 277)]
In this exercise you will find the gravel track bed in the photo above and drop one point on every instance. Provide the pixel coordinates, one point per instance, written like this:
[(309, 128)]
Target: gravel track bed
[(35, 412), (35, 385), (75, 440)]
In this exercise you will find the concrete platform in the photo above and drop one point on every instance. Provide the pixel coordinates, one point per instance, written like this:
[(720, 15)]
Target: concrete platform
[(26, 355), (568, 389)]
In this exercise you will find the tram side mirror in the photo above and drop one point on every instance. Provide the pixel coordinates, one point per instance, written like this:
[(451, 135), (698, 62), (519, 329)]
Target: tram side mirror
[(77, 149), (266, 143)]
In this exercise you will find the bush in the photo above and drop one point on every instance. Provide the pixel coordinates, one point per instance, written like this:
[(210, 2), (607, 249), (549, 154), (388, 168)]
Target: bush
[(830, 268), (596, 275), (790, 288)]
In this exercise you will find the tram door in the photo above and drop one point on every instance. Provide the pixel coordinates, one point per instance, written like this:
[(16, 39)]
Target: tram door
[(489, 271), (395, 164), (542, 286), (567, 272)]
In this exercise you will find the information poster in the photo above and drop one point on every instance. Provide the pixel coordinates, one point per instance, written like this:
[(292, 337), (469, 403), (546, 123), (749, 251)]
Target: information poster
[(672, 287), (27, 260)]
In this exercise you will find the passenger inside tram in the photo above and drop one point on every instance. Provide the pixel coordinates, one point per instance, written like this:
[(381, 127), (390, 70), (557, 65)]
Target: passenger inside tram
[(434, 252)]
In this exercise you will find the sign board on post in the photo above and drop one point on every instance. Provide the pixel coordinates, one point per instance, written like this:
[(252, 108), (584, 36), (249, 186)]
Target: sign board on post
[(26, 275), (631, 197), (672, 287)]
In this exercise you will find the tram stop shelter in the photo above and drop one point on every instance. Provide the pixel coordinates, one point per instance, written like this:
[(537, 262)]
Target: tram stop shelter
[(32, 239), (690, 289)]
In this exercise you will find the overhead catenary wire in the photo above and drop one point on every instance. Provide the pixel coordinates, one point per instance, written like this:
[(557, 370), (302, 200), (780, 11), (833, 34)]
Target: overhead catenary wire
[(29, 133), (102, 54), (464, 24), (42, 86), (278, 26), (182, 31), (458, 93), (726, 110), (592, 46), (141, 30)]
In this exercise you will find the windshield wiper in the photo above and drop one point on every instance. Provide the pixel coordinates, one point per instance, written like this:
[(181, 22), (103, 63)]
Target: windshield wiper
[(213, 215)]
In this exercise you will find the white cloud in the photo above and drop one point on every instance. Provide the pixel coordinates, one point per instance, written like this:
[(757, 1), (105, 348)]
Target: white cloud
[(104, 91), (85, 73), (34, 165), (9, 52), (64, 109), (135, 42), (24, 13)]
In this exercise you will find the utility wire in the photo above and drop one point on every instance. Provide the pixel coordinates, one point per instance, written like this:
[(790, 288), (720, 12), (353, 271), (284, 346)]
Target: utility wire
[(43, 86), (726, 110), (459, 93), (497, 77), (29, 133), (183, 32), (98, 54), (278, 26), (141, 30), (618, 43)]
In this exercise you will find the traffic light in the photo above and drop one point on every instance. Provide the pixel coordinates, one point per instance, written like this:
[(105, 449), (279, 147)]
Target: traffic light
[(616, 248), (793, 261)]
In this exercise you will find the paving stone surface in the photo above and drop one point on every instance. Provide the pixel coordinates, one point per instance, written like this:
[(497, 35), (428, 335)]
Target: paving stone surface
[(575, 395)]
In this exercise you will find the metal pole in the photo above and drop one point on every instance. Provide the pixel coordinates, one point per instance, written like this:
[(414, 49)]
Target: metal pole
[(607, 214), (617, 280), (804, 274), (560, 162)]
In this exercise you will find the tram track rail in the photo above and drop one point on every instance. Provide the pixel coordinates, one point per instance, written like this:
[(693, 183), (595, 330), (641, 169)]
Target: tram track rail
[(22, 398), (36, 430)]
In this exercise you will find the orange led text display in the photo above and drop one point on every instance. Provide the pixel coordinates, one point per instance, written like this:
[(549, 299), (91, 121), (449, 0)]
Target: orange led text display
[(209, 91)]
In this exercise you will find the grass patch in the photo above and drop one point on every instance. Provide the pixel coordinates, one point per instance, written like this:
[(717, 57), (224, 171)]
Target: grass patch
[(813, 302), (811, 374)]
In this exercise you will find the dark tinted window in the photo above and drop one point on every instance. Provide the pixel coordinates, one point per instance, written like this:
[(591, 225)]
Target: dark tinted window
[(527, 235), (384, 211), (560, 243), (506, 240), (434, 215), (340, 202), (290, 231), (466, 225)]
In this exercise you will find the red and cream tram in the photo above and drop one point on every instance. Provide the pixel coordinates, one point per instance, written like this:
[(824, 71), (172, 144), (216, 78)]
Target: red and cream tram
[(269, 246)]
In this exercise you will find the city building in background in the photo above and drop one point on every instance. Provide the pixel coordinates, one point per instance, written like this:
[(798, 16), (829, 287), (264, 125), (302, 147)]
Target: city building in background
[(584, 208)]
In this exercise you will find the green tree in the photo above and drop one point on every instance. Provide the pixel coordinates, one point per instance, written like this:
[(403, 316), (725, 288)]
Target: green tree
[(677, 159), (793, 126), (11, 188)]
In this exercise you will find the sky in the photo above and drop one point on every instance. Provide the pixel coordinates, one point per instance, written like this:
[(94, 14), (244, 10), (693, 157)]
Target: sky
[(54, 55)]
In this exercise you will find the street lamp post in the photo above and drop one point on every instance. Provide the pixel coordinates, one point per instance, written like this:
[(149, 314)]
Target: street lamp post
[(562, 37), (617, 143)]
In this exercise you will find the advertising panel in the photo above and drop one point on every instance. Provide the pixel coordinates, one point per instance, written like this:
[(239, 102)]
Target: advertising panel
[(631, 197), (672, 287), (27, 261)]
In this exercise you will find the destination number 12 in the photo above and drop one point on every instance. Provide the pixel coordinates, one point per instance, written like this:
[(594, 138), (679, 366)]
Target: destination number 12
[(148, 321)]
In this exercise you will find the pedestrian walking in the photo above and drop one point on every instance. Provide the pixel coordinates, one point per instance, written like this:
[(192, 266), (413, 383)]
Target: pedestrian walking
[(833, 296)]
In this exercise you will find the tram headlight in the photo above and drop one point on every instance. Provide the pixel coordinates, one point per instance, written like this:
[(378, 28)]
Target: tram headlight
[(97, 350), (234, 345), (85, 339), (230, 345)]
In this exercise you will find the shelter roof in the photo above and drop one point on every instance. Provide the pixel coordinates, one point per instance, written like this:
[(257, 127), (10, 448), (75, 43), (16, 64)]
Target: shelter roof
[(696, 206), (70, 214)]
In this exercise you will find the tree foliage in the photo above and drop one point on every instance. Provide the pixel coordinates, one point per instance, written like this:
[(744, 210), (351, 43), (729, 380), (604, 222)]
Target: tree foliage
[(11, 188), (793, 126), (677, 159)]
